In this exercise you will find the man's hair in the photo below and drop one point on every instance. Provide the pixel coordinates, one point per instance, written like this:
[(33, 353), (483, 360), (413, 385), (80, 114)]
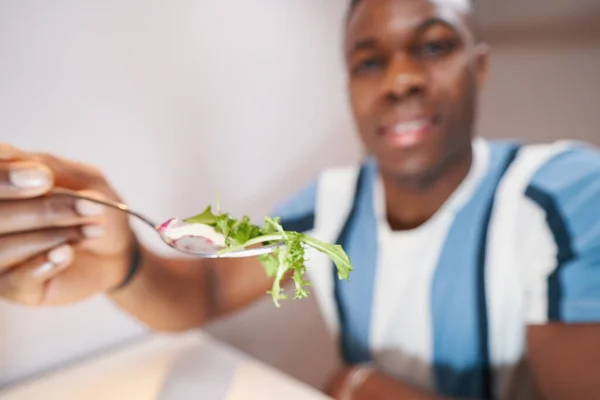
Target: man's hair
[(353, 4), (473, 10)]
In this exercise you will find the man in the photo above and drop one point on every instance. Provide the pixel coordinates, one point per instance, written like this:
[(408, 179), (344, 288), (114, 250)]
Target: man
[(476, 264)]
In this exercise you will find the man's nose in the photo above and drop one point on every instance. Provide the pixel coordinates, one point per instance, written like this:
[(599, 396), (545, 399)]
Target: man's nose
[(404, 79)]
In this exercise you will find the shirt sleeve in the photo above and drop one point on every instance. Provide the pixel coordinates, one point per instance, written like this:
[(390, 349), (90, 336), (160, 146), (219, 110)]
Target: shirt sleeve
[(567, 192), (298, 212)]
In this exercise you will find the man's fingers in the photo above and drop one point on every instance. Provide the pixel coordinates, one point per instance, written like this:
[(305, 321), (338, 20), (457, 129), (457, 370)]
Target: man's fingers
[(9, 153), (26, 284), (24, 179), (62, 173), (72, 174), (50, 211), (17, 249)]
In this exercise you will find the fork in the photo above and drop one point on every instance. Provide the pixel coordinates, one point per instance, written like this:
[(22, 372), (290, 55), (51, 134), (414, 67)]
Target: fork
[(174, 244)]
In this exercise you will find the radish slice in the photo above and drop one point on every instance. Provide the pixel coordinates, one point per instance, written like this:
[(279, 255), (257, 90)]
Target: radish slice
[(195, 238)]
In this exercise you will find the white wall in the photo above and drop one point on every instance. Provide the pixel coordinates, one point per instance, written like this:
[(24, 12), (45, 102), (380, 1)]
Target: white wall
[(204, 100), (175, 102), (542, 92)]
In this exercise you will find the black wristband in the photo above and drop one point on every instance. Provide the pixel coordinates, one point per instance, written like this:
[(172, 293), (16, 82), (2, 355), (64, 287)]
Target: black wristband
[(134, 265)]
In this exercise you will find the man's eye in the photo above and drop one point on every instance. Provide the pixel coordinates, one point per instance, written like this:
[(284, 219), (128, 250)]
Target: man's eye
[(369, 65), (435, 49)]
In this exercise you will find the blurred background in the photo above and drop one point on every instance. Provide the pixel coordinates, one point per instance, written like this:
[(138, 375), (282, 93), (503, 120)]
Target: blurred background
[(176, 101)]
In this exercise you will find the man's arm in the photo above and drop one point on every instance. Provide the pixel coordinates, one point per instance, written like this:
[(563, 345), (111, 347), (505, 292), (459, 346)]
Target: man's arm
[(375, 386), (565, 360), (175, 295), (180, 294)]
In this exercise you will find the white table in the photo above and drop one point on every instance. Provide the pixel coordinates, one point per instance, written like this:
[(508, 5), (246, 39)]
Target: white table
[(173, 367)]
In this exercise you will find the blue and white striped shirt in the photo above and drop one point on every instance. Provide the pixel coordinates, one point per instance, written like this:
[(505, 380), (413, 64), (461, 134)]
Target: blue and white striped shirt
[(445, 306)]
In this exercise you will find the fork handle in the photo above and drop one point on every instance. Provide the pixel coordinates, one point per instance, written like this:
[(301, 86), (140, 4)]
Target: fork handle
[(109, 203)]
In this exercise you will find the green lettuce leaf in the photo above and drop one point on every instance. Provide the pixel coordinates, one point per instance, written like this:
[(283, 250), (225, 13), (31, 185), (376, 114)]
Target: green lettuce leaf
[(242, 233)]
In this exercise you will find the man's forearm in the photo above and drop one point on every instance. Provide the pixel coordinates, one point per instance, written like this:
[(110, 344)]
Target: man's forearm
[(381, 387), (169, 294), (378, 386)]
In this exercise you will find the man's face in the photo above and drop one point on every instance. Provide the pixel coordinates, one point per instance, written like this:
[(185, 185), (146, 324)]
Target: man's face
[(413, 77)]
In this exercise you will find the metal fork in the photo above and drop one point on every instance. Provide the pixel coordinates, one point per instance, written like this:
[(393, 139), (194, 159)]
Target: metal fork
[(174, 244)]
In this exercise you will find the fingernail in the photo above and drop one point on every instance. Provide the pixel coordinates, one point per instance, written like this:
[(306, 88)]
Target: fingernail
[(93, 231), (45, 269), (57, 258), (61, 255), (88, 209), (29, 178)]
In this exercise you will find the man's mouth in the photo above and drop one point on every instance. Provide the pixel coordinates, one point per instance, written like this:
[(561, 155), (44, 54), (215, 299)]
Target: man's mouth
[(407, 134)]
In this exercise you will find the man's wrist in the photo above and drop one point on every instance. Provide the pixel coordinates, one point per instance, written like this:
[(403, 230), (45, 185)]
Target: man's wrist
[(135, 261), (356, 378)]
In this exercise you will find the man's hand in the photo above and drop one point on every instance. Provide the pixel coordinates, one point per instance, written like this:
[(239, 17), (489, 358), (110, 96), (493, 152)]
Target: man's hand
[(372, 385), (55, 249)]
